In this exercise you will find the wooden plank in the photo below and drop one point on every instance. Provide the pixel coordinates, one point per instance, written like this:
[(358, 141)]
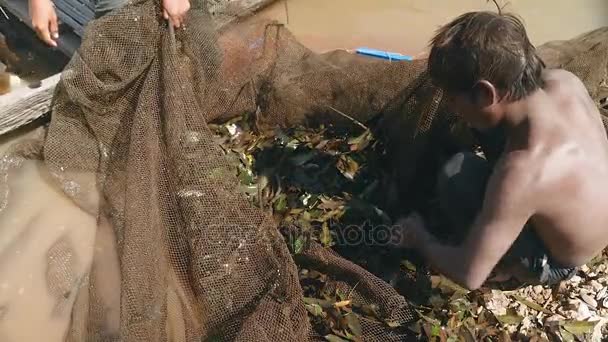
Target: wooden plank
[(25, 105)]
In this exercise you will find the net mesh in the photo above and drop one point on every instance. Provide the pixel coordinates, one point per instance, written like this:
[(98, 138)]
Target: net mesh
[(179, 254)]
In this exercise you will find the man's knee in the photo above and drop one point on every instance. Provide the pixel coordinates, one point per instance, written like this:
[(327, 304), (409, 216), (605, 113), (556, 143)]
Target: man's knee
[(464, 170)]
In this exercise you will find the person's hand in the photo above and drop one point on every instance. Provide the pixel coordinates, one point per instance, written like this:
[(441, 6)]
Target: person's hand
[(175, 11), (44, 21), (411, 231)]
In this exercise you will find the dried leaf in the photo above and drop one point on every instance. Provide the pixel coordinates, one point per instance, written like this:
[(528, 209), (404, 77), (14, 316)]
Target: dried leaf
[(504, 337), (342, 303), (589, 300), (354, 324), (330, 204), (466, 334), (360, 142), (334, 338), (370, 310), (393, 324), (447, 286), (348, 167), (432, 321), (325, 304), (453, 338), (531, 304)]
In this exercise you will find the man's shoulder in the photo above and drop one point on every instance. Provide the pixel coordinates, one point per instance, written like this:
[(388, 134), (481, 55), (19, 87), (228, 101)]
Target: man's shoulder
[(516, 171), (560, 78)]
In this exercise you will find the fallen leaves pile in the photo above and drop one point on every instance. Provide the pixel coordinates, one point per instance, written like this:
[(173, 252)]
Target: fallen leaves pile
[(323, 182)]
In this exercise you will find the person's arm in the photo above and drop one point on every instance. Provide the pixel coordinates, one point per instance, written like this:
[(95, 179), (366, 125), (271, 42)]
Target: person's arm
[(175, 11), (507, 207), (44, 21)]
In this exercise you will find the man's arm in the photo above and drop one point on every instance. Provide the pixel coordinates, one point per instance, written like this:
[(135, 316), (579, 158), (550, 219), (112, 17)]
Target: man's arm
[(506, 209)]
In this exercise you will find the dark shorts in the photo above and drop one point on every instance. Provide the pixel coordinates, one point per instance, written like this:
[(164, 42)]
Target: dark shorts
[(461, 188), (103, 7)]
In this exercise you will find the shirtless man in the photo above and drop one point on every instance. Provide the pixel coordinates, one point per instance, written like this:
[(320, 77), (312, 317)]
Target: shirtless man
[(538, 202)]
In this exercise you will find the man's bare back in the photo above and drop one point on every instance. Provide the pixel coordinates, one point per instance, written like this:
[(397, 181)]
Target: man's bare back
[(562, 154), (536, 202)]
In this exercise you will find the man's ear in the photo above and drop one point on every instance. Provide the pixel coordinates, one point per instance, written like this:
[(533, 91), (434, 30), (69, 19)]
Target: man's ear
[(485, 94)]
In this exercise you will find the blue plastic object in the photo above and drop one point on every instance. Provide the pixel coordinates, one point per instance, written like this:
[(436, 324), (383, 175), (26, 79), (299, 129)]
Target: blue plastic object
[(393, 56)]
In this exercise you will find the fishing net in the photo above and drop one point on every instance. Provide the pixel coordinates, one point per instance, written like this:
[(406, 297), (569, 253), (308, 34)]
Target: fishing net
[(168, 248)]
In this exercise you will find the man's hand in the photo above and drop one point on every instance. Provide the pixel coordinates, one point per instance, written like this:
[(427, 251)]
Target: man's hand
[(411, 231), (44, 21), (175, 11)]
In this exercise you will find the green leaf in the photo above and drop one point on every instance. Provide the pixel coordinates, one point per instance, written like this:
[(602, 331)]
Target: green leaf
[(509, 318), (408, 265), (566, 335), (436, 330), (280, 203), (298, 245), (334, 338), (325, 237), (314, 309), (579, 328)]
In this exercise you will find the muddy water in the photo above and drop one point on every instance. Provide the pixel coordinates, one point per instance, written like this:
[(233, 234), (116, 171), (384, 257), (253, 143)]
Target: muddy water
[(46, 246), (406, 25)]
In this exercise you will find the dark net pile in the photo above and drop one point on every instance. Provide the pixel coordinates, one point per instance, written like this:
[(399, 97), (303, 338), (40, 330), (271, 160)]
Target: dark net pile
[(181, 254)]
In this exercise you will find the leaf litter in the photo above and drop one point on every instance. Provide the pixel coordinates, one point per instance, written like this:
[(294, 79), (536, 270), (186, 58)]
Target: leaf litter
[(321, 182)]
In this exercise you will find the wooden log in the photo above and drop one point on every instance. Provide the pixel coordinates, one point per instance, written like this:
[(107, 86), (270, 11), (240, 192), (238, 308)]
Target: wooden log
[(25, 105)]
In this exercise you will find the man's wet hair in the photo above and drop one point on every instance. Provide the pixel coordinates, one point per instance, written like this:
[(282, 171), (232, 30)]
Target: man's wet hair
[(485, 46)]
